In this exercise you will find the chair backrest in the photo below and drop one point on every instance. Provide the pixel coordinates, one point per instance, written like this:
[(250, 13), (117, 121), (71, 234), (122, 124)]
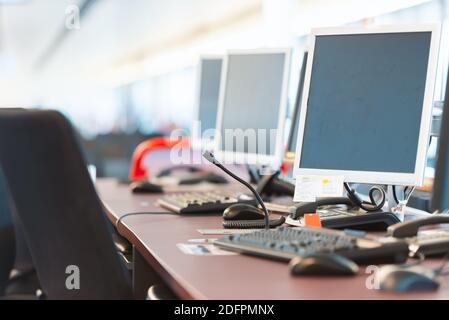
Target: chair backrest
[(62, 217), (7, 242)]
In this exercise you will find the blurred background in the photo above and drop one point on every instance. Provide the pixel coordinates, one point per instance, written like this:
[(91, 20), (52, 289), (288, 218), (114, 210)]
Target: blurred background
[(124, 71)]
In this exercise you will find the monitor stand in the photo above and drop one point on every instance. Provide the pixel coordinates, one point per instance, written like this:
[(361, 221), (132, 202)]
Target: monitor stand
[(271, 185), (253, 172)]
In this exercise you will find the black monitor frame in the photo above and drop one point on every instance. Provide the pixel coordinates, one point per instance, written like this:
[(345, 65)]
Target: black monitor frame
[(440, 196), (291, 145)]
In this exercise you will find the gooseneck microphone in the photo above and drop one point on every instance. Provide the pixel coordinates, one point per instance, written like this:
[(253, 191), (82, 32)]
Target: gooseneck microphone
[(209, 156)]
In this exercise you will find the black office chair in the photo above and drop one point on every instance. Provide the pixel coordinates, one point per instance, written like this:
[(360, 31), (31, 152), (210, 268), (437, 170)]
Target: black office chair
[(18, 278), (7, 242), (59, 209), (23, 280)]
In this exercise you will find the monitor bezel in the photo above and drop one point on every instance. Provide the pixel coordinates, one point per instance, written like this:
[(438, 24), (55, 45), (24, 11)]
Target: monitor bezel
[(274, 161), (197, 142), (290, 149), (376, 177), (441, 179)]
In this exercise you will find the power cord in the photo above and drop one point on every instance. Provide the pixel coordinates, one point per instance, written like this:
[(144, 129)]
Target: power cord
[(406, 196), (119, 220), (371, 206), (416, 255), (439, 271), (395, 196)]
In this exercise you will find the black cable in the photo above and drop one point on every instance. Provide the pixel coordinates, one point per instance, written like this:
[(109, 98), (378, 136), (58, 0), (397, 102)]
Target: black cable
[(119, 220), (367, 206), (421, 257), (410, 193), (259, 199), (395, 196), (439, 271)]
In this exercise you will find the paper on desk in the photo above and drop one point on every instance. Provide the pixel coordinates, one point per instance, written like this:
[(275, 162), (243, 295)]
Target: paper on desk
[(225, 231), (295, 222), (203, 249), (310, 187)]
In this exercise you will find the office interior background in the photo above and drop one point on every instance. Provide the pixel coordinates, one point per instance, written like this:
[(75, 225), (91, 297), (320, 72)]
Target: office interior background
[(123, 71)]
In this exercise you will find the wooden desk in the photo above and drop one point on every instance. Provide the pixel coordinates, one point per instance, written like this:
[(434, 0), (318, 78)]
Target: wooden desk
[(223, 277)]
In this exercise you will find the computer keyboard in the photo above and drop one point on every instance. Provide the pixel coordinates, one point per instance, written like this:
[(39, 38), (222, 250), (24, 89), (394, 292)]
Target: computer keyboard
[(202, 202), (286, 243)]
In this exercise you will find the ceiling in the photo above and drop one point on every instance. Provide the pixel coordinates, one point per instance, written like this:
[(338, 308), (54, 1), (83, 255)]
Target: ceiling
[(118, 38), (109, 31)]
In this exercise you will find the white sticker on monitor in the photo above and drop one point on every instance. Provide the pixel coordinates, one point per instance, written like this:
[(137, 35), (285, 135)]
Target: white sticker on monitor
[(310, 187)]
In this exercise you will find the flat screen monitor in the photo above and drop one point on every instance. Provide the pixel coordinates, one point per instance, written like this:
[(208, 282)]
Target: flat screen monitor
[(252, 108), (367, 105), (208, 88)]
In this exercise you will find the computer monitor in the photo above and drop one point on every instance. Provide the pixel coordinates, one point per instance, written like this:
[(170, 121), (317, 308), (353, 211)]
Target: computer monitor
[(293, 135), (366, 110), (440, 196), (252, 107), (208, 88)]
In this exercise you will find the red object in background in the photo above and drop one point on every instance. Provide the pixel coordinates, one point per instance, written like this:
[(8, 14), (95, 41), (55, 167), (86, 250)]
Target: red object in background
[(284, 168), (137, 171)]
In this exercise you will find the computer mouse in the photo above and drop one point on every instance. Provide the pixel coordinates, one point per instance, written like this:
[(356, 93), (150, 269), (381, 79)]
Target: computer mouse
[(403, 279), (321, 264), (241, 211), (145, 187)]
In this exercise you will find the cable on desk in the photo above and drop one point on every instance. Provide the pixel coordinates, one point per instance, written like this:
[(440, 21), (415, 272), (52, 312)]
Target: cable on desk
[(440, 270), (416, 255), (406, 196), (119, 220), (395, 196), (365, 205), (409, 194)]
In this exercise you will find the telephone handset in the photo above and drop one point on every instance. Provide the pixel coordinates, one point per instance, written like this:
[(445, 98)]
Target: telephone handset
[(410, 228), (432, 242)]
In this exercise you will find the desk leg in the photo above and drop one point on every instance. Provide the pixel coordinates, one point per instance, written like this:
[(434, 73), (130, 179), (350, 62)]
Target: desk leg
[(143, 276)]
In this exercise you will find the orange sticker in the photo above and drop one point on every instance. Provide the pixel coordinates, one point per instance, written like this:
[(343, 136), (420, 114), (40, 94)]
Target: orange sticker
[(312, 220)]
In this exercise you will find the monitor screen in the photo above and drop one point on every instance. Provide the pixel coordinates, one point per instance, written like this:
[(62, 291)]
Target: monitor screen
[(365, 102), (253, 95), (209, 88)]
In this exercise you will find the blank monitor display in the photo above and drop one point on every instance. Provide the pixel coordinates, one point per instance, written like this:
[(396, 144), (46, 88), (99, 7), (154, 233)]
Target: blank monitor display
[(209, 88), (365, 102), (254, 92)]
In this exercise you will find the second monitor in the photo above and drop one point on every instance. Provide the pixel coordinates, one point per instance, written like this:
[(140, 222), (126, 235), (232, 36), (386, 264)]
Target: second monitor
[(252, 106), (208, 88)]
